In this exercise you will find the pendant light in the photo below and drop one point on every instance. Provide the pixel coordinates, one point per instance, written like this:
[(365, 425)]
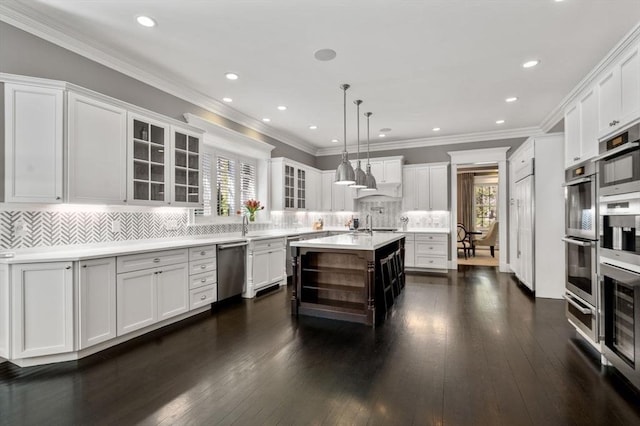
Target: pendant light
[(361, 177), (344, 173), (370, 180)]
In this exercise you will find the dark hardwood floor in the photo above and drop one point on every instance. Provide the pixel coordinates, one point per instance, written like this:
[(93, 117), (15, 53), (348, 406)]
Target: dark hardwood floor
[(468, 348)]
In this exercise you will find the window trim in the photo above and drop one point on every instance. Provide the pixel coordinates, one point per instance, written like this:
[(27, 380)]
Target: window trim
[(485, 181)]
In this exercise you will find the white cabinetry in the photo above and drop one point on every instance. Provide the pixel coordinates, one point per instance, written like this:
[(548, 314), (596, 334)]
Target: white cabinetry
[(266, 265), (97, 151), (536, 250), (336, 198), (294, 186), (619, 94), (203, 287), (313, 190), (4, 312), (426, 250), (386, 170), (42, 309), (581, 130), (186, 166), (425, 187), (326, 202), (96, 301), (34, 123), (409, 250), (154, 287)]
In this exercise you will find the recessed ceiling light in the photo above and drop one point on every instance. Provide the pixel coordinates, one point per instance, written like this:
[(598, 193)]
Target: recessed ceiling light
[(382, 135), (313, 127), (499, 121), (282, 108), (558, 1), (145, 21), (227, 100), (266, 120), (511, 99), (385, 129), (530, 64), (325, 54), (436, 129), (231, 76), (335, 140)]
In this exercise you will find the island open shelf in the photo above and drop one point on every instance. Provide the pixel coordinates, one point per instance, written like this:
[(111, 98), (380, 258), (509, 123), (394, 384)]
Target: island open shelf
[(339, 277)]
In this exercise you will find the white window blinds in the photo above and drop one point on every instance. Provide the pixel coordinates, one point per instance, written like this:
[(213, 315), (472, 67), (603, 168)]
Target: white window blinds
[(247, 182), (226, 186), (206, 210)]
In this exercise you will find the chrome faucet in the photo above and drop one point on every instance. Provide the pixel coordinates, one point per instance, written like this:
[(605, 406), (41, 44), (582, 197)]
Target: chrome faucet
[(368, 224), (245, 225)]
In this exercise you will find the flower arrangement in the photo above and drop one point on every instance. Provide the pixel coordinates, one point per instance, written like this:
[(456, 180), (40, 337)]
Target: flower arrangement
[(252, 207)]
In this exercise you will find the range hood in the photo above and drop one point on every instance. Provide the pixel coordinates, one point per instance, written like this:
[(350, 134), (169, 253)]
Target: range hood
[(390, 189)]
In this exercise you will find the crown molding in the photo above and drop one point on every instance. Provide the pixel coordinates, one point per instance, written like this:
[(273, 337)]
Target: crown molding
[(475, 156), (25, 18), (441, 140), (630, 40)]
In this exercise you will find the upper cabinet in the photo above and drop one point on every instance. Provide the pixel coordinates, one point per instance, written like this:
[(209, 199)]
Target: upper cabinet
[(581, 129), (425, 187), (34, 130), (335, 198), (619, 95), (186, 167), (387, 170), (96, 130), (294, 186)]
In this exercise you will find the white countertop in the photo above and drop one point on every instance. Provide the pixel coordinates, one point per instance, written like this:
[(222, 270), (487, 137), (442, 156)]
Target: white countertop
[(352, 241), (427, 230)]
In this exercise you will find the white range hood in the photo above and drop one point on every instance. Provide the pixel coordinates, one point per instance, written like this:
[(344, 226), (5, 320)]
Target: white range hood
[(391, 189)]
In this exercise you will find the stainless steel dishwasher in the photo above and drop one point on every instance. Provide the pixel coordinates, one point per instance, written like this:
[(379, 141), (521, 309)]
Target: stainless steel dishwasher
[(231, 269)]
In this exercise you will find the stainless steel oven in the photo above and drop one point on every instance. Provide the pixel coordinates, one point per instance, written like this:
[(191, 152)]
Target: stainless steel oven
[(582, 316), (620, 227), (621, 292), (581, 269), (619, 163), (581, 201)]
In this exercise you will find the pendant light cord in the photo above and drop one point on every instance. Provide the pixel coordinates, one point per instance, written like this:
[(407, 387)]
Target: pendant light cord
[(368, 114), (358, 102), (344, 135)]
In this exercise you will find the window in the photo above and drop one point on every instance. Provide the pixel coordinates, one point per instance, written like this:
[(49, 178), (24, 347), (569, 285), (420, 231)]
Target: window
[(485, 204), (227, 186)]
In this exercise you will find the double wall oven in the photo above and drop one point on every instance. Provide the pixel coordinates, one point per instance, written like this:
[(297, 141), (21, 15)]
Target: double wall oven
[(581, 241)]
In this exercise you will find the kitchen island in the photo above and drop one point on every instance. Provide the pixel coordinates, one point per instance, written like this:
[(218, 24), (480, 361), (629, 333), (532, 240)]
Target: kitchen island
[(340, 277)]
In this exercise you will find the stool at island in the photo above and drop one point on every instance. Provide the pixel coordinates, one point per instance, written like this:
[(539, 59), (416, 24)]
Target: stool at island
[(340, 277)]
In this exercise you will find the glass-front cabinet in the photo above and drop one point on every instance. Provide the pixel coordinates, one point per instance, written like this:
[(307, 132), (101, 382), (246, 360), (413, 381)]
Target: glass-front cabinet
[(148, 161), (186, 168)]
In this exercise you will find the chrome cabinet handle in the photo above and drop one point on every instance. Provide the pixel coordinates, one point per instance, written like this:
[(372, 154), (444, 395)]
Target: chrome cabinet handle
[(156, 260), (68, 267), (84, 266), (576, 242), (203, 297), (204, 280), (202, 253), (203, 266), (57, 198)]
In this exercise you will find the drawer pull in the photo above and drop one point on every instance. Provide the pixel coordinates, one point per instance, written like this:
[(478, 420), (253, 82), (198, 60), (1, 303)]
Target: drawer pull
[(68, 267), (202, 253), (203, 297), (204, 280), (203, 266), (156, 260)]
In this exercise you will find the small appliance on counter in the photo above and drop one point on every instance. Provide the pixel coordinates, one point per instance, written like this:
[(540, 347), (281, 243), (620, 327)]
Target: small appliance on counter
[(318, 225)]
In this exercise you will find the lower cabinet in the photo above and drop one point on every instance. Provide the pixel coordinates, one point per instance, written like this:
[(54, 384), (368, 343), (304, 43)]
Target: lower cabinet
[(96, 301), (266, 265), (147, 296), (409, 251), (42, 309), (426, 250)]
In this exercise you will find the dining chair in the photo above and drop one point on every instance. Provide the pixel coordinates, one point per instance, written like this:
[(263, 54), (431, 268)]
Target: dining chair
[(463, 239)]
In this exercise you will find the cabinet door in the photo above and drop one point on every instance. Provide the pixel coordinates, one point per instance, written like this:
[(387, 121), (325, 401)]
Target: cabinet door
[(301, 189), (314, 190), (423, 188), (97, 151), (409, 189), (33, 144), (392, 171), (327, 188), (96, 301), (4, 311), (572, 136), (186, 167), (149, 165), (608, 102), (42, 309), (136, 297), (172, 284), (629, 88), (409, 253), (338, 195), (377, 170), (438, 188), (276, 265), (260, 269), (289, 187), (588, 126)]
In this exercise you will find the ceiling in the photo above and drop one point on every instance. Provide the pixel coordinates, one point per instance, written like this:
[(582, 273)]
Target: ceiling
[(415, 64)]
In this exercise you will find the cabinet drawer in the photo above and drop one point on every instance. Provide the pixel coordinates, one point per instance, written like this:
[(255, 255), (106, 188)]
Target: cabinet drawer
[(268, 245), (202, 252), (435, 262), (203, 296), (431, 248), (200, 266), (136, 262), (432, 237), (408, 236), (200, 280)]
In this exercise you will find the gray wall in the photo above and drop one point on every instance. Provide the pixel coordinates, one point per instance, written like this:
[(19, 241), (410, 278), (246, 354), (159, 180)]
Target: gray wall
[(25, 54), (429, 154)]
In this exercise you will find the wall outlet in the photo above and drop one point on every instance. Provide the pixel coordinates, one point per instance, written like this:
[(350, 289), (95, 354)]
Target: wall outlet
[(171, 225), (115, 226), (20, 228)]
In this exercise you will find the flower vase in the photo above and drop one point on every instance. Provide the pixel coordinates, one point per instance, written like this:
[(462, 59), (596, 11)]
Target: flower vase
[(252, 216)]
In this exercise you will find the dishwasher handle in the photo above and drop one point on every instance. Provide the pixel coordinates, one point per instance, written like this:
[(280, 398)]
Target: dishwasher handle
[(228, 246)]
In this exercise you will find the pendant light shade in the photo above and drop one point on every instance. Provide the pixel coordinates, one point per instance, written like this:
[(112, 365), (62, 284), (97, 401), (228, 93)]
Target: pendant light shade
[(370, 180), (344, 173), (361, 177)]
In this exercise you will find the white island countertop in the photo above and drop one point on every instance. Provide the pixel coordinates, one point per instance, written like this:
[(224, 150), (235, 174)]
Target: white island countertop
[(353, 241)]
